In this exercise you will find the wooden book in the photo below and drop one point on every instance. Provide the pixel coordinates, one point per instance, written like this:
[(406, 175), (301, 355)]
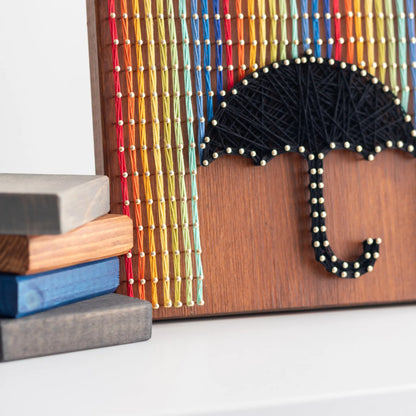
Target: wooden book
[(50, 204), (108, 236), (99, 322), (24, 295)]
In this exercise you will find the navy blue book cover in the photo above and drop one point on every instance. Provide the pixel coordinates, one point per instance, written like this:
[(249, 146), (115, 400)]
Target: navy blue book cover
[(23, 295)]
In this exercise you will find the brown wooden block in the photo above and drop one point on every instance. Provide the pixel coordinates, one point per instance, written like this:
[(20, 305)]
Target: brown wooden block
[(108, 236), (98, 322), (50, 204)]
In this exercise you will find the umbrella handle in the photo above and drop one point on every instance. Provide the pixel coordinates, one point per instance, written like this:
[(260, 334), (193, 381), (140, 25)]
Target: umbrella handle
[(323, 251)]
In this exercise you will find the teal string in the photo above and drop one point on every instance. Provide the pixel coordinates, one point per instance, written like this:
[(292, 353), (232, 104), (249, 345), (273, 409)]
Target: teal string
[(192, 146), (294, 11)]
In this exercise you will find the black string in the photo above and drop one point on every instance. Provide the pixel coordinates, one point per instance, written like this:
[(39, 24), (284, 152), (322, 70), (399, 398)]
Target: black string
[(312, 105)]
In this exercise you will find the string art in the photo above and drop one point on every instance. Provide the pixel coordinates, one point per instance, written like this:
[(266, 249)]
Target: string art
[(311, 105), (174, 63)]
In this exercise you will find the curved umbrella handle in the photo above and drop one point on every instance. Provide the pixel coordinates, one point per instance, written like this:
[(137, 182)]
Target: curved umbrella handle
[(323, 251)]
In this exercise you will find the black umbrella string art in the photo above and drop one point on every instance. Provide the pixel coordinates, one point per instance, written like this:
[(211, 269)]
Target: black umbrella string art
[(311, 106)]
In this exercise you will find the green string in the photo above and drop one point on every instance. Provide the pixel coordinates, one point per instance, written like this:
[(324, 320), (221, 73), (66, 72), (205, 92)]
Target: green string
[(401, 23), (192, 158), (179, 153)]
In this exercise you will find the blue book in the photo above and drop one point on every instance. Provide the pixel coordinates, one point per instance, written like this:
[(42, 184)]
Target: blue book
[(23, 295)]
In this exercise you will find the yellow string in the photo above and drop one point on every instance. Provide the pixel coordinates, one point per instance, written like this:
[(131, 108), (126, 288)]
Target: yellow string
[(252, 35), (157, 152), (273, 30), (283, 28), (180, 158), (143, 153), (359, 34), (391, 47), (381, 40), (262, 31), (368, 6)]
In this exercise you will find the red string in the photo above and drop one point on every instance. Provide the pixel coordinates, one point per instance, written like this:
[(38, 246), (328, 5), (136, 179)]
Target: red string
[(120, 132), (337, 31), (228, 44)]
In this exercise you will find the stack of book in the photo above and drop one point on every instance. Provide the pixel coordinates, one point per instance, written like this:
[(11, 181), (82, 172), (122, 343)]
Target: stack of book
[(59, 267)]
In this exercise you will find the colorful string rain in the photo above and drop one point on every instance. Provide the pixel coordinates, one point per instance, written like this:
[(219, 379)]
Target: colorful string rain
[(145, 160), (192, 160), (379, 37), (120, 132), (184, 216)]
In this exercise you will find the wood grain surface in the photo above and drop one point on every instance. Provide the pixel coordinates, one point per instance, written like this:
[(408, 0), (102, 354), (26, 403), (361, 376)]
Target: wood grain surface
[(50, 204), (255, 221), (108, 236)]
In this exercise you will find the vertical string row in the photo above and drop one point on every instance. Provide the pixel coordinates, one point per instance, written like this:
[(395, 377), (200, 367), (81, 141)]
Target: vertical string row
[(157, 152), (184, 216), (228, 44), (349, 22), (252, 34), (304, 9), (120, 132), (391, 46), (283, 29), (132, 148), (317, 41), (369, 30), (262, 32), (144, 159), (381, 49), (192, 155), (327, 24), (197, 69), (207, 59), (167, 138), (295, 18), (218, 50), (401, 23), (240, 35), (359, 34), (273, 30), (192, 162), (412, 46), (337, 30)]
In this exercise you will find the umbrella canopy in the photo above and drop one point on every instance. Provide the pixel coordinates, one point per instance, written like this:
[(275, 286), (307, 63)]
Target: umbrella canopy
[(310, 106)]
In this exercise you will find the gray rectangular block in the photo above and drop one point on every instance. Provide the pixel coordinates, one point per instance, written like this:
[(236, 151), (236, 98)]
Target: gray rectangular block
[(99, 322), (50, 204)]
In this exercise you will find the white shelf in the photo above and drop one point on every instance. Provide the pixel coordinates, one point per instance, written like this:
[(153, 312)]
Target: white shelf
[(345, 362)]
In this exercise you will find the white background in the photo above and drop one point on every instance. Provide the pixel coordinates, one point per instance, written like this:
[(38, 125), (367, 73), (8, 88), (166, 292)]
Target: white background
[(45, 99), (351, 362)]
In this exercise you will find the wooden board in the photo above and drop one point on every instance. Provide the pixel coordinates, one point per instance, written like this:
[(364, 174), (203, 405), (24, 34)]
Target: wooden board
[(50, 204), (23, 295), (99, 322), (255, 222), (107, 236)]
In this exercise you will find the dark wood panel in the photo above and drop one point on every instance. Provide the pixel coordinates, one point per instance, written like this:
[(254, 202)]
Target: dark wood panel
[(255, 224)]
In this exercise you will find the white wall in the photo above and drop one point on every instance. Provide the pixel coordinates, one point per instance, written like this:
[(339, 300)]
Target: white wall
[(45, 103)]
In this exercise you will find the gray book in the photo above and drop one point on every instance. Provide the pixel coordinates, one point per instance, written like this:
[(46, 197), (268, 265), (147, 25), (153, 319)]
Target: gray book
[(98, 322), (50, 204)]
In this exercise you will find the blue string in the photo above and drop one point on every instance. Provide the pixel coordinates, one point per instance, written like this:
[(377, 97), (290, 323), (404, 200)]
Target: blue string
[(327, 28), (197, 64), (412, 47), (305, 24), (315, 27), (207, 59), (218, 49)]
